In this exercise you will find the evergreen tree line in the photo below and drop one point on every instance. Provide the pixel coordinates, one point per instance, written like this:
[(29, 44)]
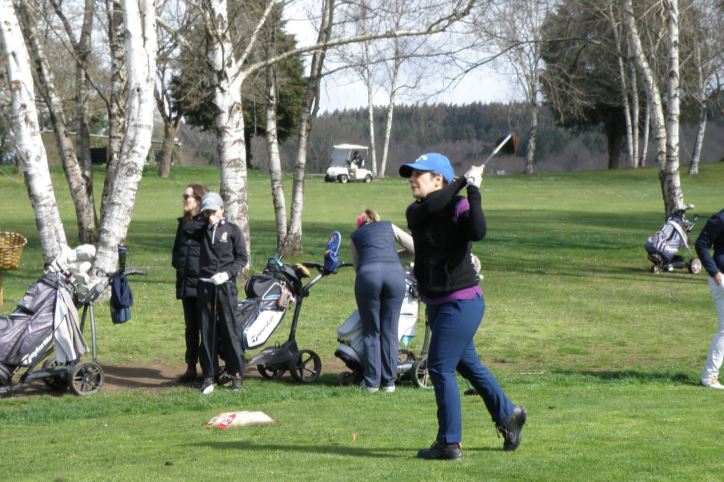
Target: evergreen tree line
[(468, 133)]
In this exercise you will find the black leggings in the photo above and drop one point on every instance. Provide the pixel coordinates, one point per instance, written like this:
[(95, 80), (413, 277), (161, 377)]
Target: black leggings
[(193, 329), (220, 300)]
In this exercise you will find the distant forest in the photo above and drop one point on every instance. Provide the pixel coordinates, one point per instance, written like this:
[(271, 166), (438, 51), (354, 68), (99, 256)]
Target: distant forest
[(465, 134)]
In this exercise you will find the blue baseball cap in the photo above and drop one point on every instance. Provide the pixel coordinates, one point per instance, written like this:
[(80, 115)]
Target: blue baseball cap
[(432, 161)]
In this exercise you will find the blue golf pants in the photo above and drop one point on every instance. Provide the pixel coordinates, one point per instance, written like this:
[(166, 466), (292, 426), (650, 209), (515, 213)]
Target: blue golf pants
[(453, 327), (379, 289)]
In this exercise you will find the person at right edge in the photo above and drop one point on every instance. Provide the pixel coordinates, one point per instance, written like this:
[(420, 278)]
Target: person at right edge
[(444, 225), (713, 235)]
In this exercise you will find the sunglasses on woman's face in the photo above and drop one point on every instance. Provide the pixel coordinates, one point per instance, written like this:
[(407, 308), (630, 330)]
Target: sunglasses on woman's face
[(187, 196)]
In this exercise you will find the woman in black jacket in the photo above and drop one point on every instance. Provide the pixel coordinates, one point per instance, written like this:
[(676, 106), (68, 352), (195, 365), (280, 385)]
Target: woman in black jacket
[(444, 225), (185, 258)]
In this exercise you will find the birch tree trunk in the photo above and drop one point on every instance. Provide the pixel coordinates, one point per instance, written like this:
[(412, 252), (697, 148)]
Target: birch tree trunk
[(645, 135), (83, 52), (634, 110), (394, 78), (696, 152), (139, 19), (533, 132), (81, 49), (170, 128), (665, 128), (701, 101), (117, 98), (293, 242), (275, 162), (85, 214), (670, 179), (370, 107), (28, 143), (630, 140), (228, 118)]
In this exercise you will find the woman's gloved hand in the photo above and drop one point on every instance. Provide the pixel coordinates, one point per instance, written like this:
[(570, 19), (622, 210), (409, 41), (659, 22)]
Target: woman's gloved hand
[(474, 175), (220, 278)]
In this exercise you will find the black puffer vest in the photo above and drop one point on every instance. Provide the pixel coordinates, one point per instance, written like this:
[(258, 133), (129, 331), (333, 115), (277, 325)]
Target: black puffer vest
[(185, 258), (443, 254)]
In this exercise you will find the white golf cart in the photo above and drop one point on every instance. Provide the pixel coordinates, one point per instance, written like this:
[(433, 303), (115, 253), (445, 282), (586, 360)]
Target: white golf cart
[(347, 164)]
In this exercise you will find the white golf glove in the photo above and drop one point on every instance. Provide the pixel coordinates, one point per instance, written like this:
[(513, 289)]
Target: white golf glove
[(220, 278), (474, 176)]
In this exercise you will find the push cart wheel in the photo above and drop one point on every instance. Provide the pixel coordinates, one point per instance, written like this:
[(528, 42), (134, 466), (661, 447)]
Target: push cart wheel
[(420, 373), (655, 269), (85, 378), (694, 266), (349, 378), (307, 367), (270, 373), (56, 382)]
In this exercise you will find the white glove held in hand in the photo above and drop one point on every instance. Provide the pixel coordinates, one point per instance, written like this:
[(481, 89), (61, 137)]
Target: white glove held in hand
[(220, 278)]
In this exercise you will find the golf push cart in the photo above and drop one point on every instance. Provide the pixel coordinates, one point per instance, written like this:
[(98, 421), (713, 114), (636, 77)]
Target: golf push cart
[(269, 295), (42, 334)]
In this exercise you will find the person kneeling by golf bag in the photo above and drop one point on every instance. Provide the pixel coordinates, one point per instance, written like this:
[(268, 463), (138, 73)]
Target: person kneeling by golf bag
[(223, 256)]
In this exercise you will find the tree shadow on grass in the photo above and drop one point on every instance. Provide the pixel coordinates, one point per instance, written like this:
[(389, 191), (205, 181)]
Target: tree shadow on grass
[(678, 378)]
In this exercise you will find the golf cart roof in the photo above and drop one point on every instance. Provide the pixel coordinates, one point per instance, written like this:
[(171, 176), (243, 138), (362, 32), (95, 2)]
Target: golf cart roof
[(350, 146)]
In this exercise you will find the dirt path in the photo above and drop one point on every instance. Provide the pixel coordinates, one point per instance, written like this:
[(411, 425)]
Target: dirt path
[(150, 378)]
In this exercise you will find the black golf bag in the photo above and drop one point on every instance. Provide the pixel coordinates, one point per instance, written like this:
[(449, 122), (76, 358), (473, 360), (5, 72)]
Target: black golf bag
[(269, 294)]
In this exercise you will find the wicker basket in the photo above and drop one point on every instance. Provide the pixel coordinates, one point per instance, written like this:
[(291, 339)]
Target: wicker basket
[(11, 247)]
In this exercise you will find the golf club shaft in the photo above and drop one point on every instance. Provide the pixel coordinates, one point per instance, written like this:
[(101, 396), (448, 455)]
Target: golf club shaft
[(497, 148)]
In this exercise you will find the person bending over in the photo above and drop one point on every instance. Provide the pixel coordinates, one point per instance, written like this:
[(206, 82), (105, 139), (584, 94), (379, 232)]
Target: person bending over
[(379, 289)]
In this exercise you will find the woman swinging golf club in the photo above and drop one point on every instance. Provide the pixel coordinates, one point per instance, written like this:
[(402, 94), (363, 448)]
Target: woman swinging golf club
[(443, 226)]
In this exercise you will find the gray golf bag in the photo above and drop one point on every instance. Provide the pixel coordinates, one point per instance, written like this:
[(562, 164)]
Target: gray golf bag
[(45, 316)]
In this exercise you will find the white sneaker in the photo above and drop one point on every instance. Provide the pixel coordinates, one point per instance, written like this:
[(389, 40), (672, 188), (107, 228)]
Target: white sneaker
[(367, 389), (207, 386), (712, 382), (389, 389)]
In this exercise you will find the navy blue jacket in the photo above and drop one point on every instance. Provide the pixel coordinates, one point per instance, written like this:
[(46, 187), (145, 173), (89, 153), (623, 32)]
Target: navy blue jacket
[(375, 243), (712, 235), (223, 248)]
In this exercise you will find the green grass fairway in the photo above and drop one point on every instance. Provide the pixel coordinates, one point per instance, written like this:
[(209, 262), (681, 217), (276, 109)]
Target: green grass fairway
[(605, 356)]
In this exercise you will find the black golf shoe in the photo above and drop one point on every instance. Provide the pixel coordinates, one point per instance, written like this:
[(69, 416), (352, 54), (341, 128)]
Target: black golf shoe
[(512, 427), (189, 375), (441, 451), (236, 383)]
